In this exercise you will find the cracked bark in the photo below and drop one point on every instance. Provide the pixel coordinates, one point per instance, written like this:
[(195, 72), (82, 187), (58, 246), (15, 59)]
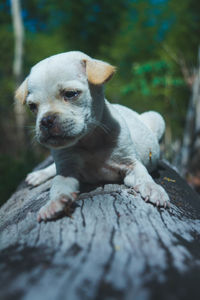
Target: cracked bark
[(115, 246)]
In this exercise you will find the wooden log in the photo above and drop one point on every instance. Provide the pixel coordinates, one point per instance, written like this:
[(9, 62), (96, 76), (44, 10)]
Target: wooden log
[(115, 246)]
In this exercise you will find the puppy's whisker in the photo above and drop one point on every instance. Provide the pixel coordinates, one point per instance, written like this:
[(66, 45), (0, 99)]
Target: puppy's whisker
[(97, 124), (102, 126), (31, 129)]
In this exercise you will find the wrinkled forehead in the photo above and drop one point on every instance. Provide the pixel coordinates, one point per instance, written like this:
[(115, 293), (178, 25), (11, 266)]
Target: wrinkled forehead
[(56, 70)]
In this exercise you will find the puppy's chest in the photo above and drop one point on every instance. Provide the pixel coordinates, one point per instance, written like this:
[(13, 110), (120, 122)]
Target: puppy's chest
[(99, 168)]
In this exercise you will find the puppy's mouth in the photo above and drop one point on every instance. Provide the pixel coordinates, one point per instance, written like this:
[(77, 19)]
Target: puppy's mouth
[(57, 138), (55, 134), (57, 141)]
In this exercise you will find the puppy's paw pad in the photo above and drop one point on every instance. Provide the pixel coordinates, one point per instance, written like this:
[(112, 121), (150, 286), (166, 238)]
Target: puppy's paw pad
[(70, 198), (50, 210), (154, 193), (53, 208)]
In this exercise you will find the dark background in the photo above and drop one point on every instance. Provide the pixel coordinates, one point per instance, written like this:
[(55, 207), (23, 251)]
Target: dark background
[(153, 43)]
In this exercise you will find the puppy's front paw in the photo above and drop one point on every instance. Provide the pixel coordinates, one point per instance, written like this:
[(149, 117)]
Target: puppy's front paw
[(154, 193), (37, 177), (54, 207)]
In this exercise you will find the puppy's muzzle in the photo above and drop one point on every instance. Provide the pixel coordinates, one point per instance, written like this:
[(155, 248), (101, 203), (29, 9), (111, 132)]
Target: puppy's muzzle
[(49, 125), (48, 122)]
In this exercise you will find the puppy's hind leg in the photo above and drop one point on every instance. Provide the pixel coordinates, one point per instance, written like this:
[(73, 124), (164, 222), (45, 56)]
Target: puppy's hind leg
[(154, 121), (40, 176)]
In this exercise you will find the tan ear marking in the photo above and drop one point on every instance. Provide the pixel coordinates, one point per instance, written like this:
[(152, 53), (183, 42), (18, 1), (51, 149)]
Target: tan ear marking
[(98, 72), (22, 92)]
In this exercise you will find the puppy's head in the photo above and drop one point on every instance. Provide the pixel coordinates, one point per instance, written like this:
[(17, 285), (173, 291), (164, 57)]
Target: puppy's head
[(65, 92)]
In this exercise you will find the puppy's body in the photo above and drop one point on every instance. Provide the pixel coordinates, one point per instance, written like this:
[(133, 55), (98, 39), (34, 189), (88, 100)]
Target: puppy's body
[(91, 140), (109, 152)]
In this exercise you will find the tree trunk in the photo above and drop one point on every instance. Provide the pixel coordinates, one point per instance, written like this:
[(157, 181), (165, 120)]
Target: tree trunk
[(192, 126), (190, 154), (115, 246), (18, 67)]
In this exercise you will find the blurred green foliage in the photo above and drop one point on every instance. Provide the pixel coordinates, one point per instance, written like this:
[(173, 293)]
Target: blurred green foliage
[(158, 87), (145, 39)]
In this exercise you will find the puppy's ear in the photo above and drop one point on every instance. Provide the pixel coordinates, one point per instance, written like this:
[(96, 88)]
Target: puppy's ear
[(22, 92), (97, 71)]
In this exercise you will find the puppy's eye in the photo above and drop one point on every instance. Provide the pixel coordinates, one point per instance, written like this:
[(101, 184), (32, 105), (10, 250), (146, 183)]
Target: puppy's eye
[(33, 107), (69, 95)]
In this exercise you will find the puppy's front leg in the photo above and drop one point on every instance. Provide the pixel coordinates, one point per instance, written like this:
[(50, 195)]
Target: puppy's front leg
[(64, 190), (142, 182), (37, 177)]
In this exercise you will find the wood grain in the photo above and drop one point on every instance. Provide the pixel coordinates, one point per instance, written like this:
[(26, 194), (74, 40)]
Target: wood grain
[(115, 246)]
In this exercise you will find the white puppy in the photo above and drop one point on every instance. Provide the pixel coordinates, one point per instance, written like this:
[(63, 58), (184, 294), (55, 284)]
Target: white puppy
[(91, 140)]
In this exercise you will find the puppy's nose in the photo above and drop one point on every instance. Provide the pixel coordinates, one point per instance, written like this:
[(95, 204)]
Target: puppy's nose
[(48, 121)]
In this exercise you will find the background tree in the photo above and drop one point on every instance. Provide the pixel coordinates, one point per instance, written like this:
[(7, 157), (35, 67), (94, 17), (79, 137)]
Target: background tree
[(18, 66)]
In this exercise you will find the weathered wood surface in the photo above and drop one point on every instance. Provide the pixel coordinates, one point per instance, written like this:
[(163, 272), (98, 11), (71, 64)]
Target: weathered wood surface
[(115, 247)]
